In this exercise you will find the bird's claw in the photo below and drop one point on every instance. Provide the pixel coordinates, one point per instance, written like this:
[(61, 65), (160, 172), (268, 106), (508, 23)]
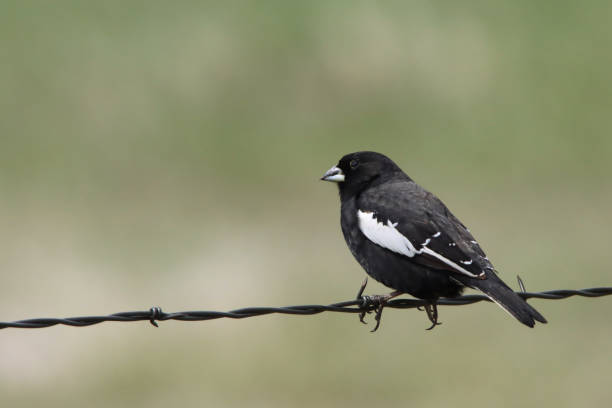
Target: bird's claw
[(432, 315), (365, 300), (361, 316), (378, 315), (375, 300)]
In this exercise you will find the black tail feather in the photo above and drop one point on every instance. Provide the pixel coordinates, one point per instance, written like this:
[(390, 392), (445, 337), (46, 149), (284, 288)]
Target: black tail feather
[(505, 297)]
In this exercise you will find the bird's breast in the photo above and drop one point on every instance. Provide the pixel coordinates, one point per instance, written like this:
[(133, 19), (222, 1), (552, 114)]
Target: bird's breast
[(353, 236)]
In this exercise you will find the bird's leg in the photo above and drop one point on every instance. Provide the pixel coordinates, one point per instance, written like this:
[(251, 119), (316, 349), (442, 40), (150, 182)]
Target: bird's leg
[(432, 314)]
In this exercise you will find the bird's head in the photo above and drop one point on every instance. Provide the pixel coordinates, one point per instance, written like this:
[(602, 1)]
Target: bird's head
[(357, 170)]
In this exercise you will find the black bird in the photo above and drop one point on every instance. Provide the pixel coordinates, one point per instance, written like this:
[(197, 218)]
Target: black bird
[(408, 240)]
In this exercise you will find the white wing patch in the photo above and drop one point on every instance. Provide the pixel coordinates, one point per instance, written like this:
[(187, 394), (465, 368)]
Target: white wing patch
[(387, 236)]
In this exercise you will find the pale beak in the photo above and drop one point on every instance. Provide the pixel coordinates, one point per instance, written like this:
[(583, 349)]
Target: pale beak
[(334, 174)]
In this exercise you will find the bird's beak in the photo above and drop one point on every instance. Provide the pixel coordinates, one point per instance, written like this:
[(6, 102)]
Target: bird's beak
[(334, 174)]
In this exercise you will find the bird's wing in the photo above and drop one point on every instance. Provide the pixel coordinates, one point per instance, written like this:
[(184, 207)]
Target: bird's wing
[(408, 220)]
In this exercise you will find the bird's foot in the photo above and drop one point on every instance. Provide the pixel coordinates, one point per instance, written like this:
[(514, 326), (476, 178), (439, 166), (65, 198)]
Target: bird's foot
[(380, 301), (432, 314), (375, 300)]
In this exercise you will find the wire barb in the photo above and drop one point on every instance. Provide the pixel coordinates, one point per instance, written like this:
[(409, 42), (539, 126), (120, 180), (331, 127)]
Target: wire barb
[(359, 305), (521, 284), (155, 312)]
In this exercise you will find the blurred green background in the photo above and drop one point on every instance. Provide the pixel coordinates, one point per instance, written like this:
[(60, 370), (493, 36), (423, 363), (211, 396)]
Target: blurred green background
[(168, 153)]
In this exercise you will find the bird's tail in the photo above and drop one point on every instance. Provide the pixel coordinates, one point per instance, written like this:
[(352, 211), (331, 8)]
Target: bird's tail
[(505, 297)]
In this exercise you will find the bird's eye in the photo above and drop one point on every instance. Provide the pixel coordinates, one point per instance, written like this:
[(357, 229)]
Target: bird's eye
[(354, 164)]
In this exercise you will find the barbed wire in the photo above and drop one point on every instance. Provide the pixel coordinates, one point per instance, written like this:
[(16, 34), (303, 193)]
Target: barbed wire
[(359, 305)]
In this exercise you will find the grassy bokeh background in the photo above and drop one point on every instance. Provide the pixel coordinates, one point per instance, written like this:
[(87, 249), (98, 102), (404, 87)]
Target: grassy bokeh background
[(159, 153)]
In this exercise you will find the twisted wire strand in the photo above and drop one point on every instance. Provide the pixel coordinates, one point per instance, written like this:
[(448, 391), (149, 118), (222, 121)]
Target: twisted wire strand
[(351, 306)]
